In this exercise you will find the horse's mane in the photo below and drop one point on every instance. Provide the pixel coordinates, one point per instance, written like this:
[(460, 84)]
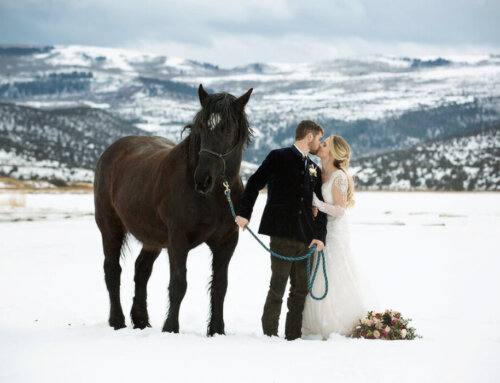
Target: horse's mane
[(220, 103)]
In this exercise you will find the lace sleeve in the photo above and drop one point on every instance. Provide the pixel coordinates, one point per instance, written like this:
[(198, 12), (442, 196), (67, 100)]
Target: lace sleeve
[(341, 183), (333, 210)]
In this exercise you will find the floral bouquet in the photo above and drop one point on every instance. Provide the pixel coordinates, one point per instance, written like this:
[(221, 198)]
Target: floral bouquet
[(389, 325)]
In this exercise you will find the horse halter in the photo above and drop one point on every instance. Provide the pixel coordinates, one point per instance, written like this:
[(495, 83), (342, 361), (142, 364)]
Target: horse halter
[(222, 157)]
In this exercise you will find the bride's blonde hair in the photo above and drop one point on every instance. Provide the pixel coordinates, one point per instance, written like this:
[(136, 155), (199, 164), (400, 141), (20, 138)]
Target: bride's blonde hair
[(340, 151)]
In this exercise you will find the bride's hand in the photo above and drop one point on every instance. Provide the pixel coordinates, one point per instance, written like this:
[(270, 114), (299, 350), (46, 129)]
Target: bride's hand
[(316, 200), (315, 211)]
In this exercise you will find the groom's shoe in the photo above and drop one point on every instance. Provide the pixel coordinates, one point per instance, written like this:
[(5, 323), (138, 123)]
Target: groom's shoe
[(293, 325), (293, 337), (270, 328), (293, 332), (271, 334)]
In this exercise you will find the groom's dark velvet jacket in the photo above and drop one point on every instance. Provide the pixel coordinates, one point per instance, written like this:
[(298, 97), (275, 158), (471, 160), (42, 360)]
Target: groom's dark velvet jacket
[(288, 212)]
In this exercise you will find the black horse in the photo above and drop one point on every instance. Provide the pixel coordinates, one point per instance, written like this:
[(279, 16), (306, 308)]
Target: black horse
[(171, 196)]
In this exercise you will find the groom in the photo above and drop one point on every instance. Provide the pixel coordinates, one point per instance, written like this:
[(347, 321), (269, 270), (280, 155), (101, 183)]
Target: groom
[(291, 179)]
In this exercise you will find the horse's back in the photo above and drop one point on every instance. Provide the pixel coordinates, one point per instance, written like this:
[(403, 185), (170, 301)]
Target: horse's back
[(136, 146), (135, 150), (128, 166)]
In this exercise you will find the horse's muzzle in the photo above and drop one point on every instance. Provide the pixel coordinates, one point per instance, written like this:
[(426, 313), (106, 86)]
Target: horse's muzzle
[(205, 185)]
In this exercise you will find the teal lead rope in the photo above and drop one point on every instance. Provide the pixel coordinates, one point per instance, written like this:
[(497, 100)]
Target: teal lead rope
[(321, 255)]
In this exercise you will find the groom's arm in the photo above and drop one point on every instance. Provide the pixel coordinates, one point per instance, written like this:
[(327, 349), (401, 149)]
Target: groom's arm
[(320, 220), (255, 184)]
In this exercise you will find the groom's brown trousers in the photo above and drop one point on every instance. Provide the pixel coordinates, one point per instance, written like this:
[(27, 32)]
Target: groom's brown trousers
[(281, 270)]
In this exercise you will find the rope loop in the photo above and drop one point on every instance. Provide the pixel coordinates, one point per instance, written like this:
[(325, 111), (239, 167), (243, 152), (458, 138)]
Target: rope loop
[(309, 255)]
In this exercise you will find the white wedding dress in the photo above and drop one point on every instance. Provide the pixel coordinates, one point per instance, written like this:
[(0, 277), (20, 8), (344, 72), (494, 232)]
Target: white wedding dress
[(340, 311)]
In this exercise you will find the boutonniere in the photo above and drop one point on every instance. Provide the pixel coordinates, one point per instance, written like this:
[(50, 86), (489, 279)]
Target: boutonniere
[(312, 172)]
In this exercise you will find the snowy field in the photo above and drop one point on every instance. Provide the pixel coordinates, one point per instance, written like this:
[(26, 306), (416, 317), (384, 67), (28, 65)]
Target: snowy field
[(432, 256)]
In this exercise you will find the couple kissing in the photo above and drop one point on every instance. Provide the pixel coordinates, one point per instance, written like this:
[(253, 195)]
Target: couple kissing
[(306, 206)]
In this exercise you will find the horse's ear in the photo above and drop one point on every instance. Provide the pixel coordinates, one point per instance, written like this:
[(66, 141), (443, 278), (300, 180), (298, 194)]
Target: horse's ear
[(202, 94), (240, 102)]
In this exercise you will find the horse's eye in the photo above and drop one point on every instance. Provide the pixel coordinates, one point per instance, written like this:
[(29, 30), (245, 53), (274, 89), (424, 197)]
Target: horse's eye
[(213, 120)]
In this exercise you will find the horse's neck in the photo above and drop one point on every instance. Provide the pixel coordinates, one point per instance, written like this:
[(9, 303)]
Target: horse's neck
[(233, 166)]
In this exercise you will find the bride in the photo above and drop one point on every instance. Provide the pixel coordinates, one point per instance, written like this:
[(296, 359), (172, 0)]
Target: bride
[(345, 303)]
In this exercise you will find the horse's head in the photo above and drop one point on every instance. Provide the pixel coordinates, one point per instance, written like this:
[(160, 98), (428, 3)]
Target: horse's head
[(222, 129)]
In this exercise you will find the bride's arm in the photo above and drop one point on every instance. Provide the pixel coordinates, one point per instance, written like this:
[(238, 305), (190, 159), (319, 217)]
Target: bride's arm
[(338, 207)]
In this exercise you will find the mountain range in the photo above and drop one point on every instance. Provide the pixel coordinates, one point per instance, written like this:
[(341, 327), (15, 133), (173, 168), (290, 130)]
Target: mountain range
[(67, 103)]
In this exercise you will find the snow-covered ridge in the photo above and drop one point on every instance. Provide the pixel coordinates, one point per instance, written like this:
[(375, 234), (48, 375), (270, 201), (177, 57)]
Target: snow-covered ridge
[(469, 161), (124, 60)]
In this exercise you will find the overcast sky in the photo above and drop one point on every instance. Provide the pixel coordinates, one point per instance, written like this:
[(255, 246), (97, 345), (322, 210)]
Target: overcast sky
[(230, 33)]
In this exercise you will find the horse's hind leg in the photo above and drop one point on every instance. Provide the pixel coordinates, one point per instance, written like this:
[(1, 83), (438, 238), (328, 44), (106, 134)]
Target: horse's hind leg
[(112, 244), (222, 253), (143, 269)]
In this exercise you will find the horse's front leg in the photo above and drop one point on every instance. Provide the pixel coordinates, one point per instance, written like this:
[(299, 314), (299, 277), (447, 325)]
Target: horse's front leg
[(177, 255), (222, 252)]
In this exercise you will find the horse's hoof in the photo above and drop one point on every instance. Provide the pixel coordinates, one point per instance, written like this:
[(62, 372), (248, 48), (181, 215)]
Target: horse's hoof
[(171, 328), (117, 325), (141, 325), (117, 322), (211, 334), (213, 330), (140, 320)]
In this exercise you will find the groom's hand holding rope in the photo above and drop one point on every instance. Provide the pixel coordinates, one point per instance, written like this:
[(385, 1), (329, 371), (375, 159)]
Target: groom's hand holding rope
[(316, 245), (319, 244), (241, 222)]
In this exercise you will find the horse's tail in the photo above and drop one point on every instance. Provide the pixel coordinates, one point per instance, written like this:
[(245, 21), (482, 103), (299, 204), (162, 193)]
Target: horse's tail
[(112, 228)]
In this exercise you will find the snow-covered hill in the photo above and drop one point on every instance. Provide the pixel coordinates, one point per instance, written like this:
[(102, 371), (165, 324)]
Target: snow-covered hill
[(469, 161), (60, 144)]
